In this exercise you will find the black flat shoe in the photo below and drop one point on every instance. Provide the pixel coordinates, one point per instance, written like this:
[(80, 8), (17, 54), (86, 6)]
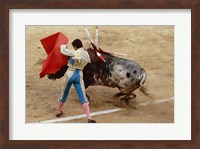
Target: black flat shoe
[(91, 121), (59, 114)]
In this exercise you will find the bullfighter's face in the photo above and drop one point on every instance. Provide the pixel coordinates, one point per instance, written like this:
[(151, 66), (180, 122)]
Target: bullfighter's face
[(75, 48)]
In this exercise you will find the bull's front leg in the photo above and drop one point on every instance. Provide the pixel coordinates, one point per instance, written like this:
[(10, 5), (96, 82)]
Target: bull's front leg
[(126, 97)]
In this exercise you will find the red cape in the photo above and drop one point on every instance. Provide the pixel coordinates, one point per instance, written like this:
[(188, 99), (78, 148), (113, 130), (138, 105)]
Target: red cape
[(55, 59)]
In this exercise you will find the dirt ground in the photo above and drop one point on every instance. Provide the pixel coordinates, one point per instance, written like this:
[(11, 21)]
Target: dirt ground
[(150, 46)]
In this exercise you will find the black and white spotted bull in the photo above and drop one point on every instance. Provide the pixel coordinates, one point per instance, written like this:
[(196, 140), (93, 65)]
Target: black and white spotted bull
[(111, 71), (118, 72)]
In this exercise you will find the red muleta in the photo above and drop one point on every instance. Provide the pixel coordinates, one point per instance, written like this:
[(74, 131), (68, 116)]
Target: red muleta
[(55, 60)]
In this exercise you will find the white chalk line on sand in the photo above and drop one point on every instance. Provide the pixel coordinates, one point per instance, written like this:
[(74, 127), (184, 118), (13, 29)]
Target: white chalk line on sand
[(155, 102), (74, 117), (80, 116)]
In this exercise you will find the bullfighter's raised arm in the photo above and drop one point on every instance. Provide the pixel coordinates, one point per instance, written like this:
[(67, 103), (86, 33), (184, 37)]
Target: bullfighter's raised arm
[(65, 51)]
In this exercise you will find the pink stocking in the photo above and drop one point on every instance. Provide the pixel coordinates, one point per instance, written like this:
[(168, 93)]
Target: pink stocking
[(60, 107), (87, 110)]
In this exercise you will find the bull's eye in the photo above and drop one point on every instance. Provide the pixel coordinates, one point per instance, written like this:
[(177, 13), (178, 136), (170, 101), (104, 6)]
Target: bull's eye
[(128, 75), (134, 71)]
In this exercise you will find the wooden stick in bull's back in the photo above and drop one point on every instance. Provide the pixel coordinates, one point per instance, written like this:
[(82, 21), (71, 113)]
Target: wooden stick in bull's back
[(88, 34), (93, 45), (96, 37), (90, 38)]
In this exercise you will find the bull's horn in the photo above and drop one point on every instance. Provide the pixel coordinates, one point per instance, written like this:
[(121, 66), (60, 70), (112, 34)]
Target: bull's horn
[(143, 79)]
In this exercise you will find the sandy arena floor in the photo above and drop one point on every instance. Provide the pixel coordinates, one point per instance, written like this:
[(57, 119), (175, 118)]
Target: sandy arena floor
[(150, 46)]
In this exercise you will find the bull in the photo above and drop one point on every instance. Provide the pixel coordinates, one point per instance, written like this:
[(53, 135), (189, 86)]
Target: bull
[(112, 71)]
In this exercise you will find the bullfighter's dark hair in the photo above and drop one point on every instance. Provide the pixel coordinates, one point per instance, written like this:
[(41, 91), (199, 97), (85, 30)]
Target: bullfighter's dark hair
[(77, 43)]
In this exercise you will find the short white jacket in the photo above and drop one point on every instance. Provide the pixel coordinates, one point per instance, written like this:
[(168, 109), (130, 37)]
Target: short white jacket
[(80, 55)]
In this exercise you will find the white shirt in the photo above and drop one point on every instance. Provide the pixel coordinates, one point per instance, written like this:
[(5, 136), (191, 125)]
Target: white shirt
[(80, 55)]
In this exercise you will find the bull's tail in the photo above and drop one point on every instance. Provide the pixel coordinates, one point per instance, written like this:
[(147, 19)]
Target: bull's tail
[(142, 88)]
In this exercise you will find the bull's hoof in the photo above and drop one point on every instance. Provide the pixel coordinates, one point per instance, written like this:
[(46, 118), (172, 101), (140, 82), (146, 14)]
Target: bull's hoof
[(131, 96), (127, 99)]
